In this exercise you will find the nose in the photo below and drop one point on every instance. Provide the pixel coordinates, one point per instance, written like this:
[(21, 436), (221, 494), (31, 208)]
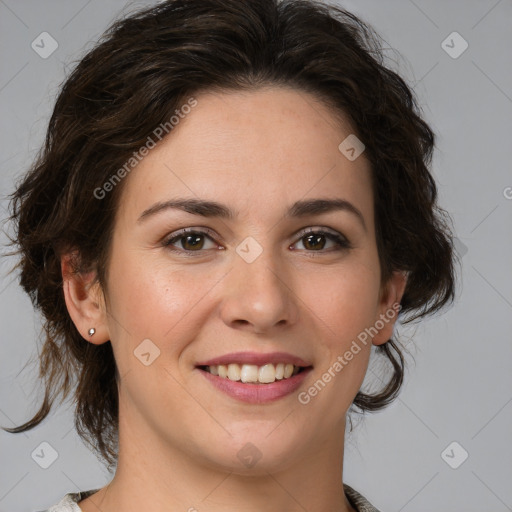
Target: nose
[(259, 296)]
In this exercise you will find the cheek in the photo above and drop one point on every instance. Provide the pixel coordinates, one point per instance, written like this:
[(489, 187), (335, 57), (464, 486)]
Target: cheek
[(149, 300), (341, 315), (345, 301)]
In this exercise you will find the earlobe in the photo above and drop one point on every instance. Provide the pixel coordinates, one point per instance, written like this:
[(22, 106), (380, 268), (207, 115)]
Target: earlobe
[(84, 301), (389, 307)]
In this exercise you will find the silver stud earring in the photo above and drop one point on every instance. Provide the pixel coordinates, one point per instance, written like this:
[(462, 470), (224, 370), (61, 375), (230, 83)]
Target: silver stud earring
[(92, 330)]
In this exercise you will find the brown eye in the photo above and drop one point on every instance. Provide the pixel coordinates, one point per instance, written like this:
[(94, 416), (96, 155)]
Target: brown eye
[(315, 241), (192, 242), (188, 240)]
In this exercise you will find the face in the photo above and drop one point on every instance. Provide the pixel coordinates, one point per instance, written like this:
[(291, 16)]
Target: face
[(273, 283)]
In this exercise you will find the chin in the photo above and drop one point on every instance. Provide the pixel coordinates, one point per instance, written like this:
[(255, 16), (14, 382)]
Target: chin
[(255, 452)]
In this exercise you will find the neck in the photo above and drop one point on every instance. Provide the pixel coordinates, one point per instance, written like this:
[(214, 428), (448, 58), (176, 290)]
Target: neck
[(154, 475)]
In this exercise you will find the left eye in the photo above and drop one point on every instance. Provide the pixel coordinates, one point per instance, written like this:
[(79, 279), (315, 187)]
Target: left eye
[(316, 240), (193, 240)]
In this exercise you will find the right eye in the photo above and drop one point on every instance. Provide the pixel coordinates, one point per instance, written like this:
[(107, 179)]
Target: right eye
[(191, 240)]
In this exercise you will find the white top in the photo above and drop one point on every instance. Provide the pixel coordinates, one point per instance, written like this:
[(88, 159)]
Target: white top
[(69, 503)]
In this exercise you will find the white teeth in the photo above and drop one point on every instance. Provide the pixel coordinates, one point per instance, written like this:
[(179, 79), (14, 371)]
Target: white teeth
[(267, 374), (288, 370), (233, 372), (251, 373)]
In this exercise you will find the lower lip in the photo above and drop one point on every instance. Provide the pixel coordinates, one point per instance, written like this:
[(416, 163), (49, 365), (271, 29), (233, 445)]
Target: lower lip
[(257, 393)]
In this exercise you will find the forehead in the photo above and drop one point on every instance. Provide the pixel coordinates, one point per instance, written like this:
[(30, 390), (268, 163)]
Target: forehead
[(257, 149)]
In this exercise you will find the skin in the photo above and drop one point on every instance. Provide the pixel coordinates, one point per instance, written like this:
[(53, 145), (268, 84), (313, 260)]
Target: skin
[(256, 152)]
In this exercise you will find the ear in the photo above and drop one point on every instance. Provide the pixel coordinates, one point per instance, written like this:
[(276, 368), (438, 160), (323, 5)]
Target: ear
[(84, 301), (389, 306)]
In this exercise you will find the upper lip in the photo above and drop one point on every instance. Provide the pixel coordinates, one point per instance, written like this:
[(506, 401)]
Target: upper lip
[(257, 358)]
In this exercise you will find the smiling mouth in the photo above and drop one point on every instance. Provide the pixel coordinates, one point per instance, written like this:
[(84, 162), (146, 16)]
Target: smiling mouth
[(254, 374)]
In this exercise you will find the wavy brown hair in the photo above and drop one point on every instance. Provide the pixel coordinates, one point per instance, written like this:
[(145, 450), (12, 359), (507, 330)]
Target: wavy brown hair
[(145, 67)]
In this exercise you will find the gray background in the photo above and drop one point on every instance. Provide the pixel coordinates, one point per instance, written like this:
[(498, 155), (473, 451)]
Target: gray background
[(459, 386)]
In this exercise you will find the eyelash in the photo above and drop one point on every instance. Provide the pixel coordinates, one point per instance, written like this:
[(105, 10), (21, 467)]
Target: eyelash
[(343, 243)]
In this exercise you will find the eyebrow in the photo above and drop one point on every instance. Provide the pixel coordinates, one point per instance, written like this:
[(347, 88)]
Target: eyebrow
[(298, 209)]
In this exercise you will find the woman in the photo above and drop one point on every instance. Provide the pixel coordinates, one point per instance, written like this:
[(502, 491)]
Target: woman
[(233, 205)]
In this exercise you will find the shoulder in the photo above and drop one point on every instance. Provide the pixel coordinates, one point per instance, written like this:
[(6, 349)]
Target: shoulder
[(69, 503), (358, 501)]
